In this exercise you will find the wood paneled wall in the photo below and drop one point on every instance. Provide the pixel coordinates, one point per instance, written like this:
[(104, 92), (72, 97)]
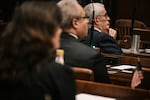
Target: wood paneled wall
[(124, 9)]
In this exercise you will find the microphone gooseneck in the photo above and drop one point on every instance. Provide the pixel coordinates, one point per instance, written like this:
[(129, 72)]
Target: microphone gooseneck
[(92, 26)]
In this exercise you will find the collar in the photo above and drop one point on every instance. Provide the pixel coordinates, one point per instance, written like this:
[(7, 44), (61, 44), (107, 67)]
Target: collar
[(73, 35), (97, 29)]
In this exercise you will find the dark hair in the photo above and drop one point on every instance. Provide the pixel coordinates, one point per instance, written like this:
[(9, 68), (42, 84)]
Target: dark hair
[(25, 44)]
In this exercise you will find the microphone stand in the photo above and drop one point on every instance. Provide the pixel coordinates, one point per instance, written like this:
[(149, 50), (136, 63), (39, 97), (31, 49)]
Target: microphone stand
[(134, 36), (132, 21), (17, 3), (133, 17), (92, 26)]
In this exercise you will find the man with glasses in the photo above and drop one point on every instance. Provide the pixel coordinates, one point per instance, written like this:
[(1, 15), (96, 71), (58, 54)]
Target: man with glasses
[(76, 54), (103, 36)]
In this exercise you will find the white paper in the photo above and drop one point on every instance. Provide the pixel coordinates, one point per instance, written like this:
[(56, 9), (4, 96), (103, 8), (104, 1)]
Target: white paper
[(111, 72), (122, 67), (129, 50), (127, 71), (84, 96), (126, 50), (147, 50)]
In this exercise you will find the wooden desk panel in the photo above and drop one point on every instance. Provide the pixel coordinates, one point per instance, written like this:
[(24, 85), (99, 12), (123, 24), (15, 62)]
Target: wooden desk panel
[(130, 59), (121, 78), (124, 79), (109, 90)]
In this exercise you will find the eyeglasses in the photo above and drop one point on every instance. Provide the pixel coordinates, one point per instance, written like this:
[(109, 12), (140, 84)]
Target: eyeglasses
[(105, 15), (85, 17)]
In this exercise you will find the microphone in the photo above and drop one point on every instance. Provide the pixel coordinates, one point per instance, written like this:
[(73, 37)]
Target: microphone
[(138, 67), (92, 25)]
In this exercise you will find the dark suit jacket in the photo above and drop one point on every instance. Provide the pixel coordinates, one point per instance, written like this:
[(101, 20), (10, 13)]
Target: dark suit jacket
[(105, 42), (55, 81), (80, 55)]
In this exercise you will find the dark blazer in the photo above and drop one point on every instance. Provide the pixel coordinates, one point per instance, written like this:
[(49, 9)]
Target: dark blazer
[(80, 55), (105, 42), (54, 81)]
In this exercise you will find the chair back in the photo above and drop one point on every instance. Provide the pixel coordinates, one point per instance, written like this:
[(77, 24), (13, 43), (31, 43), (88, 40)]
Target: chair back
[(124, 25), (83, 73)]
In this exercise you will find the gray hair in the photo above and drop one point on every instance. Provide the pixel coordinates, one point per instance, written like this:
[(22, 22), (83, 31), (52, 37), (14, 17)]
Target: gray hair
[(89, 10), (70, 9)]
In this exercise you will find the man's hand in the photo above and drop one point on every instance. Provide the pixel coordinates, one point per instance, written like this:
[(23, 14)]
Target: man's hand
[(136, 79), (112, 33)]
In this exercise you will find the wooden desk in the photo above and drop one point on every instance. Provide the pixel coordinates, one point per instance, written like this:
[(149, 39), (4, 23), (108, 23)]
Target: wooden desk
[(142, 54), (124, 79), (144, 34), (121, 78), (130, 59), (114, 91)]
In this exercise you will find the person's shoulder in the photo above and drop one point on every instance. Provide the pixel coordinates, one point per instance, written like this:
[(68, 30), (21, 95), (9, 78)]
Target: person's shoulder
[(87, 49), (53, 67), (99, 34), (76, 45), (56, 76), (102, 33)]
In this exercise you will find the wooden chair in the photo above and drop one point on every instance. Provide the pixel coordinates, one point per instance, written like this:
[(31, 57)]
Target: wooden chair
[(123, 29), (114, 91), (83, 73)]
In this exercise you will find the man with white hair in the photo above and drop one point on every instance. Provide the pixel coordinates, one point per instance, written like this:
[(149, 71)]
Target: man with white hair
[(75, 28), (103, 36)]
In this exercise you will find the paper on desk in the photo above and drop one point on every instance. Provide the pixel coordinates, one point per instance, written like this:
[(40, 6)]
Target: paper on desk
[(122, 67), (126, 50), (127, 71), (84, 96), (129, 50), (112, 72)]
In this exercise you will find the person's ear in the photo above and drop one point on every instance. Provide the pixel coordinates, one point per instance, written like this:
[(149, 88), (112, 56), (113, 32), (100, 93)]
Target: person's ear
[(96, 20), (75, 23)]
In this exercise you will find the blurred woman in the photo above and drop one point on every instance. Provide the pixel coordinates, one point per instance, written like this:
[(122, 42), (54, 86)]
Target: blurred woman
[(27, 71)]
